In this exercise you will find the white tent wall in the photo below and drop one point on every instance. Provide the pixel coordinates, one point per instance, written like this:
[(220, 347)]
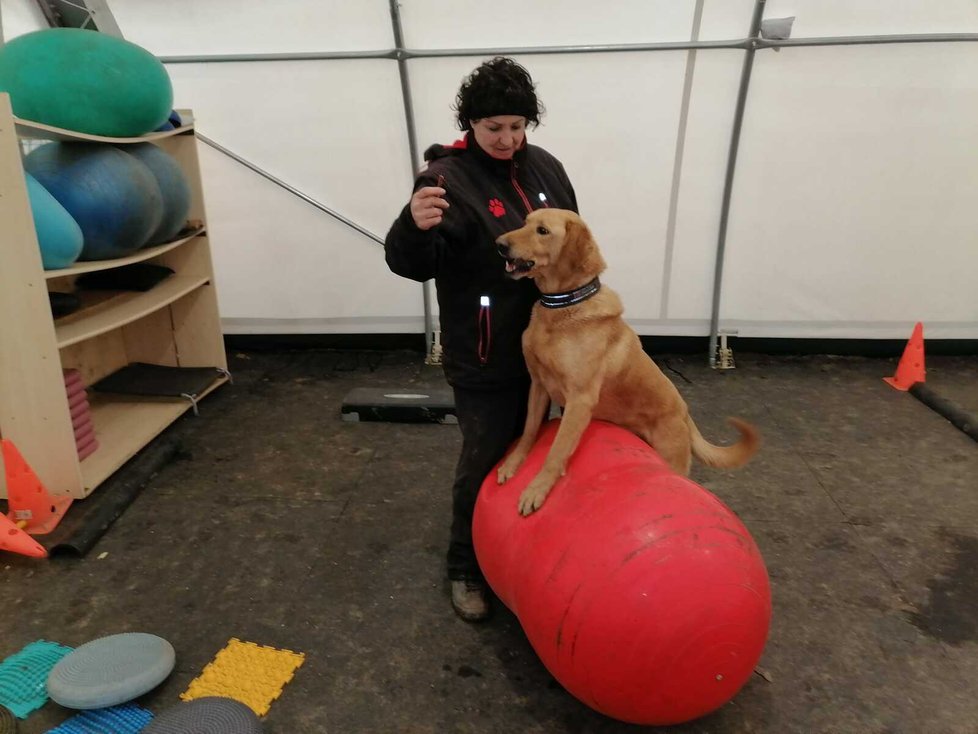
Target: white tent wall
[(850, 211), (323, 127), (18, 17), (853, 210), (828, 18)]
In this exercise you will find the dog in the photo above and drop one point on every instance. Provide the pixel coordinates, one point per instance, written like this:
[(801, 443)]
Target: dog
[(583, 356)]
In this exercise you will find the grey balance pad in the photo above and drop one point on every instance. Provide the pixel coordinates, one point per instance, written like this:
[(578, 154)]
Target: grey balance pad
[(400, 405), (208, 715), (111, 670)]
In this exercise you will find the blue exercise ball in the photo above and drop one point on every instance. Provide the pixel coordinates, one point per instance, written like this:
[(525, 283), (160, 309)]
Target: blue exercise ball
[(112, 195), (172, 123), (58, 234), (173, 186)]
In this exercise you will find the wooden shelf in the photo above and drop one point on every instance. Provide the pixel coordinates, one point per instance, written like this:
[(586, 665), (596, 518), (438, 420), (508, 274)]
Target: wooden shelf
[(124, 426), (176, 323), (148, 253), (114, 309), (38, 130)]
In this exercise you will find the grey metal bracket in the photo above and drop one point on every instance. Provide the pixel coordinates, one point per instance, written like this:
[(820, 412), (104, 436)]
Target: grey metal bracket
[(434, 353), (90, 14), (193, 401), (724, 356)]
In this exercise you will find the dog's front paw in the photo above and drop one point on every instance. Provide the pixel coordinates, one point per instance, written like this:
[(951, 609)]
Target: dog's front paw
[(533, 496), (508, 468)]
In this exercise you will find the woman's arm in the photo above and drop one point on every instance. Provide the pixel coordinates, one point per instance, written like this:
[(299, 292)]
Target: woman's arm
[(415, 240)]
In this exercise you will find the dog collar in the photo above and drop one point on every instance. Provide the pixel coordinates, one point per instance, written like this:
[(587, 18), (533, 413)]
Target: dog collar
[(569, 298)]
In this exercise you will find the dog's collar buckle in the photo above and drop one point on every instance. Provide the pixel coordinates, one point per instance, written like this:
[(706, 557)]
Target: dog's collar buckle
[(570, 298)]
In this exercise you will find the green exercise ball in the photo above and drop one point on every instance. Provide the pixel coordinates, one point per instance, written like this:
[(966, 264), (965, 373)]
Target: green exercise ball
[(85, 81)]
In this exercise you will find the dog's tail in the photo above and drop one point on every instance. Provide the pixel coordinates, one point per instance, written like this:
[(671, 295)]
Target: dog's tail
[(726, 457)]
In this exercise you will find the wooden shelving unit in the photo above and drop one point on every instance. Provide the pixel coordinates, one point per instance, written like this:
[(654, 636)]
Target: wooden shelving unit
[(176, 323)]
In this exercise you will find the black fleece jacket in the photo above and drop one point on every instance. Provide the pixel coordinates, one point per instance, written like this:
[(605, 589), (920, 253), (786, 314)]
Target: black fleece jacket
[(482, 346)]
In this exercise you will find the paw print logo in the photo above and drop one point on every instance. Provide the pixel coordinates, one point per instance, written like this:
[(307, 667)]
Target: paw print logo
[(496, 207)]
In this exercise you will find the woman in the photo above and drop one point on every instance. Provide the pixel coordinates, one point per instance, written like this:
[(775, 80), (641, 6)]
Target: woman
[(471, 192)]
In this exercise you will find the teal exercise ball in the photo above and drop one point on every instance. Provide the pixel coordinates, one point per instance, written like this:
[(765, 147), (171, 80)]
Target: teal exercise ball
[(58, 234), (112, 195), (85, 81), (173, 186)]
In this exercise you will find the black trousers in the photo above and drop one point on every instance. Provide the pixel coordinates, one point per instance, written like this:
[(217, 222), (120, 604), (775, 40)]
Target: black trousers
[(490, 422)]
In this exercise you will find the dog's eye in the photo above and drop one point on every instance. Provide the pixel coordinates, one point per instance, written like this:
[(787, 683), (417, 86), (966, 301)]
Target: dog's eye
[(543, 230)]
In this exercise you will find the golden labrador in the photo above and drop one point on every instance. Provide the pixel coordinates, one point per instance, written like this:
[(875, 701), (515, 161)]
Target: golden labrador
[(583, 356)]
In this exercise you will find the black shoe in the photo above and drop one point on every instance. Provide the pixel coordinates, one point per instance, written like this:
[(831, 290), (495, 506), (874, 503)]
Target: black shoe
[(470, 600)]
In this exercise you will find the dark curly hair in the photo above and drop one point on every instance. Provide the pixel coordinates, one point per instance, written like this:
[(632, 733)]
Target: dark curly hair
[(499, 86)]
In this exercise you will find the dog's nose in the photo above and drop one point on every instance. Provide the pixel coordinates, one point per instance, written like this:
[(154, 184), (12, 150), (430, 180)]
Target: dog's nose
[(503, 248)]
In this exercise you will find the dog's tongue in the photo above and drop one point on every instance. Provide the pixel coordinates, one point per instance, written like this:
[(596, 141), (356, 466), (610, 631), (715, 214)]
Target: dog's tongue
[(510, 266)]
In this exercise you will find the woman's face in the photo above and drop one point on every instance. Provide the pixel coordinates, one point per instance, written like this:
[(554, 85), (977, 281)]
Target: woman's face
[(500, 136)]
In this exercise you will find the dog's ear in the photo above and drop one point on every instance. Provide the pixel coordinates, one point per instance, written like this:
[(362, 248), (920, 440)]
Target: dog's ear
[(580, 248)]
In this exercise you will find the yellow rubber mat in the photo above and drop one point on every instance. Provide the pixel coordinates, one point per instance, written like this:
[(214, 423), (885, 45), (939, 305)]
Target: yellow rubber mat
[(250, 673)]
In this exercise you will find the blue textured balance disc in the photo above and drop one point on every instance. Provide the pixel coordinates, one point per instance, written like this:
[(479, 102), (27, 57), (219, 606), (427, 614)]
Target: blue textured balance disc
[(23, 676), (111, 670), (126, 719), (207, 715)]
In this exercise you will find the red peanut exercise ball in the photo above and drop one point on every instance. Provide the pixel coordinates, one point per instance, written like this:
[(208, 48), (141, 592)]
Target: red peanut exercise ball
[(641, 592)]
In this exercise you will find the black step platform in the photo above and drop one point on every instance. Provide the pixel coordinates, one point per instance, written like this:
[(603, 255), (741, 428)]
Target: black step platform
[(400, 405)]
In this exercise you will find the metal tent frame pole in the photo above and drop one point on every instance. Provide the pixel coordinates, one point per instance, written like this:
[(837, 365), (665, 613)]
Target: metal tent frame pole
[(429, 320), (738, 121), (291, 189), (744, 43)]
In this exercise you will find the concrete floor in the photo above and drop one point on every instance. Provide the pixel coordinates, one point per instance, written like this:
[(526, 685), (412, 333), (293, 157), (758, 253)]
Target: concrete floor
[(292, 528)]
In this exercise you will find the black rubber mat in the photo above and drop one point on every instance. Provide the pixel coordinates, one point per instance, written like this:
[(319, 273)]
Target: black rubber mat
[(140, 378)]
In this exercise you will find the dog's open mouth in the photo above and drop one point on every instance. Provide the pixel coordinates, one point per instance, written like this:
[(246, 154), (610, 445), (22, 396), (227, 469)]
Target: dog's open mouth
[(517, 265)]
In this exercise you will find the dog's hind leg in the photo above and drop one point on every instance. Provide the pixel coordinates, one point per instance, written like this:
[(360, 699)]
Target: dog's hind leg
[(671, 440), (536, 409)]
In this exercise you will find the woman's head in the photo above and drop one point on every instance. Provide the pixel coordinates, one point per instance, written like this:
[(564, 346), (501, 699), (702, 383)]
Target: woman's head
[(498, 88)]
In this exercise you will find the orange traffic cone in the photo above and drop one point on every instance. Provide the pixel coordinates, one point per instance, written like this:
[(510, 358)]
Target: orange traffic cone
[(911, 368), (30, 503), (15, 540)]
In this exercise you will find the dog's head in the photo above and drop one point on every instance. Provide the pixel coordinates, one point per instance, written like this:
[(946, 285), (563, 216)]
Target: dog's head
[(554, 245)]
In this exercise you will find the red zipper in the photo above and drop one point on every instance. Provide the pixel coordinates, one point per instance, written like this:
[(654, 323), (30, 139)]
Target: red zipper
[(512, 176)]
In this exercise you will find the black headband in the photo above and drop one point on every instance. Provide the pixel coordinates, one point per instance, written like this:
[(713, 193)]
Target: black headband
[(503, 105)]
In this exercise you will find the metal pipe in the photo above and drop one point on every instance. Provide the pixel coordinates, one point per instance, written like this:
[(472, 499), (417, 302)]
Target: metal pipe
[(677, 164), (291, 189), (869, 40), (402, 54), (302, 56), (597, 48), (429, 322), (745, 74), (744, 43)]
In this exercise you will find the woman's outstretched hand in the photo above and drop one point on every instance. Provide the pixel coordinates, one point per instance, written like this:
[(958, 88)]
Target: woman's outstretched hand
[(428, 206)]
